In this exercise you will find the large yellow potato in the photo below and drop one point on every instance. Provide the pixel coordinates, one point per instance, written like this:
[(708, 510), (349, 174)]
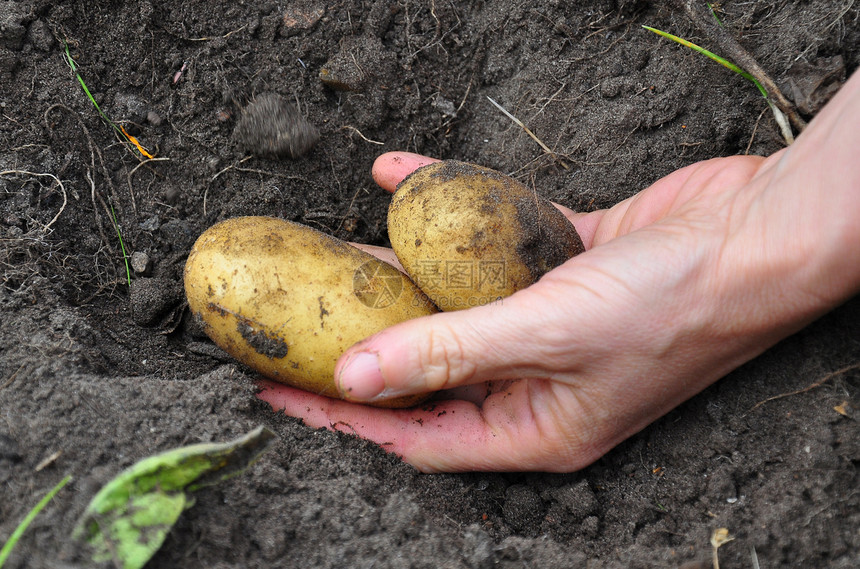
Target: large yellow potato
[(469, 235), (288, 300)]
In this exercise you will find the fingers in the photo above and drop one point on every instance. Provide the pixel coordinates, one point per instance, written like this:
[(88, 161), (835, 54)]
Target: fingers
[(512, 431), (390, 168), (600, 226), (448, 350), (384, 254), (586, 224)]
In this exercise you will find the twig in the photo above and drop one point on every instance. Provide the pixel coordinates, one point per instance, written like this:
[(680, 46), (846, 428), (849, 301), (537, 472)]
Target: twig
[(810, 387), (230, 167), (131, 173), (48, 460), (59, 183), (591, 54), (12, 377), (550, 100), (780, 117), (93, 195), (752, 136), (215, 177), (361, 135), (701, 17), (90, 176), (529, 132), (247, 170), (348, 209), (466, 96), (225, 36), (94, 149)]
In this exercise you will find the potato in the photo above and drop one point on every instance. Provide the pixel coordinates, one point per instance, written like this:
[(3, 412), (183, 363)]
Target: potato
[(468, 235), (288, 300)]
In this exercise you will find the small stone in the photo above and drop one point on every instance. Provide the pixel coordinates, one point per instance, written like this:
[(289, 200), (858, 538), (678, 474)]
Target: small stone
[(445, 106), (141, 263), (300, 18), (154, 118), (177, 234), (721, 485), (347, 79), (213, 164), (151, 224)]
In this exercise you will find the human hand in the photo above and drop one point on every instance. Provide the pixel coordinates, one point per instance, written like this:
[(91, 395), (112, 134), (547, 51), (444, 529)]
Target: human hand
[(679, 285)]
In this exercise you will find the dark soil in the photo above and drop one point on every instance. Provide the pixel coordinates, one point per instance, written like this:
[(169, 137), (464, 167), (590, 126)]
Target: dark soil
[(96, 374)]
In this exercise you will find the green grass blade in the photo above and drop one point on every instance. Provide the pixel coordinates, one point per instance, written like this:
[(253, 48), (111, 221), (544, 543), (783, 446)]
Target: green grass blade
[(71, 63), (121, 245), (721, 60), (714, 14), (93, 100), (121, 131), (31, 515)]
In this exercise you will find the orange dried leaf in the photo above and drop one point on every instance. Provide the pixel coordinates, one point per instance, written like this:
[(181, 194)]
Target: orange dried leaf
[(134, 141)]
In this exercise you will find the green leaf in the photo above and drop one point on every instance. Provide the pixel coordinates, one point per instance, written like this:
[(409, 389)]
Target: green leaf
[(127, 521)]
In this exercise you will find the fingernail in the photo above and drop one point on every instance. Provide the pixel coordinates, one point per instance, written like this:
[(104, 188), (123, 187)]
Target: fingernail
[(361, 378)]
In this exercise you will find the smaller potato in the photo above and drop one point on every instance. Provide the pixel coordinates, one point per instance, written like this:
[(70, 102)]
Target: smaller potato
[(288, 300), (469, 235)]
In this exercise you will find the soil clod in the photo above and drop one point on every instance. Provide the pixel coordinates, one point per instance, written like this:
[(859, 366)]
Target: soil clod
[(272, 126)]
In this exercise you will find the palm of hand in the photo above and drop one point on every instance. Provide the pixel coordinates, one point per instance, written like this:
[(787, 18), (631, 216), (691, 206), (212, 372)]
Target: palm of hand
[(593, 366)]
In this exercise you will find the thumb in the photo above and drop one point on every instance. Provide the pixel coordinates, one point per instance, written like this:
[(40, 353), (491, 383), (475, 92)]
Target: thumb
[(445, 350)]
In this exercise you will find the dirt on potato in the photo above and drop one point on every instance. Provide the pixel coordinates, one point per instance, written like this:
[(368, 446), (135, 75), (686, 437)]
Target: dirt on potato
[(97, 372)]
